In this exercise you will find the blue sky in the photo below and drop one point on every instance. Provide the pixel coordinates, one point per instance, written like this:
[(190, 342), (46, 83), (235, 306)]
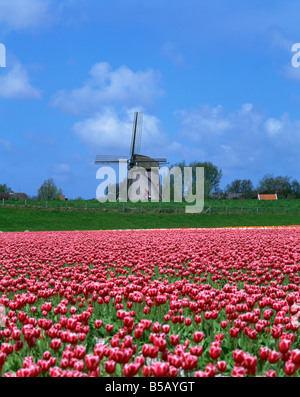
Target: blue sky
[(214, 80)]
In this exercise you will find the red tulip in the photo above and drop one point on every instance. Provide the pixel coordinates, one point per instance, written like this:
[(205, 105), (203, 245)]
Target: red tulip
[(174, 340), (160, 369), (221, 366), (289, 368), (189, 362), (296, 356), (98, 324), (198, 336), (110, 367), (264, 353), (271, 373), (284, 345), (274, 357), (131, 369), (146, 371), (238, 356), (109, 327), (215, 352), (92, 362), (238, 372), (210, 370)]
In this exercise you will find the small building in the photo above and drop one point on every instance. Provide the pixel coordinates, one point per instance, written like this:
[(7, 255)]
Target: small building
[(267, 197), (5, 196), (21, 196), (217, 196), (13, 196)]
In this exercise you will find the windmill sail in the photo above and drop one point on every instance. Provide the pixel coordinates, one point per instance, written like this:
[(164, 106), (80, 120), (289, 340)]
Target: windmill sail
[(135, 158), (139, 133), (109, 159)]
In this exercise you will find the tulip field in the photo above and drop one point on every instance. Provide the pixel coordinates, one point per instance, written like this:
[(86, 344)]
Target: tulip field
[(150, 303)]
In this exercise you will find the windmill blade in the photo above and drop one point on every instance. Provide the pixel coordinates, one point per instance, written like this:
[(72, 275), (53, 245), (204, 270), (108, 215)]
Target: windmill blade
[(133, 137), (153, 160), (161, 160), (136, 134), (109, 159), (139, 130)]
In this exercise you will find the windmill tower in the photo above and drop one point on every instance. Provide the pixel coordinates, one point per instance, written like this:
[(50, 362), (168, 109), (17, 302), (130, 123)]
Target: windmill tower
[(149, 164)]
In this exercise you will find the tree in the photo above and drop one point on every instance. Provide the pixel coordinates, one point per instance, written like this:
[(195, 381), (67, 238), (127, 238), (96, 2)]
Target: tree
[(234, 187), (244, 186), (280, 185), (4, 188), (247, 188), (267, 184), (295, 188), (212, 176), (283, 185), (49, 191)]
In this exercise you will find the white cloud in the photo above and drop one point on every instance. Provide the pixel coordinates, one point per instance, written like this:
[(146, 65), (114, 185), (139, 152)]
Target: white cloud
[(246, 137), (206, 122), (246, 107), (109, 132), (273, 127), (203, 121), (22, 14), (15, 84), (32, 14), (107, 86)]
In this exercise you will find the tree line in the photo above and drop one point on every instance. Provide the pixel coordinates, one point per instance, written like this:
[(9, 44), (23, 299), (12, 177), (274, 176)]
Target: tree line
[(283, 186), (47, 191)]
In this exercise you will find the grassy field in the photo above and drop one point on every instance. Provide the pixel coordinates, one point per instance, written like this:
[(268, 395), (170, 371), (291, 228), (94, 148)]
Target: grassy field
[(211, 206), (41, 220)]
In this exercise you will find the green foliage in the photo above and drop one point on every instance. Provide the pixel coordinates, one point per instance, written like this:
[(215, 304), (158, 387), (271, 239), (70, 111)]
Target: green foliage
[(49, 191), (295, 185), (4, 188), (244, 186), (281, 185), (212, 176)]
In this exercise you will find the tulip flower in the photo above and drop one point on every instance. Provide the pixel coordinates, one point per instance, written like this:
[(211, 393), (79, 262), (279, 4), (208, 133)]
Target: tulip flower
[(92, 362), (131, 369), (289, 368), (221, 366), (163, 295), (273, 357), (110, 367)]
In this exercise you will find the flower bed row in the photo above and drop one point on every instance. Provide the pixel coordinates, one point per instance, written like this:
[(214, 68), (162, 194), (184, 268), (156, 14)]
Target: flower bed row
[(192, 302)]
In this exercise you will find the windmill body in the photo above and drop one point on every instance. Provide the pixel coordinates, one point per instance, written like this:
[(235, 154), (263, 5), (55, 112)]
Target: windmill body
[(137, 161)]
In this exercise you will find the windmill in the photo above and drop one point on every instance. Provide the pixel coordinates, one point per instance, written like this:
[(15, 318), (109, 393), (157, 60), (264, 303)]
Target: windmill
[(135, 159)]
